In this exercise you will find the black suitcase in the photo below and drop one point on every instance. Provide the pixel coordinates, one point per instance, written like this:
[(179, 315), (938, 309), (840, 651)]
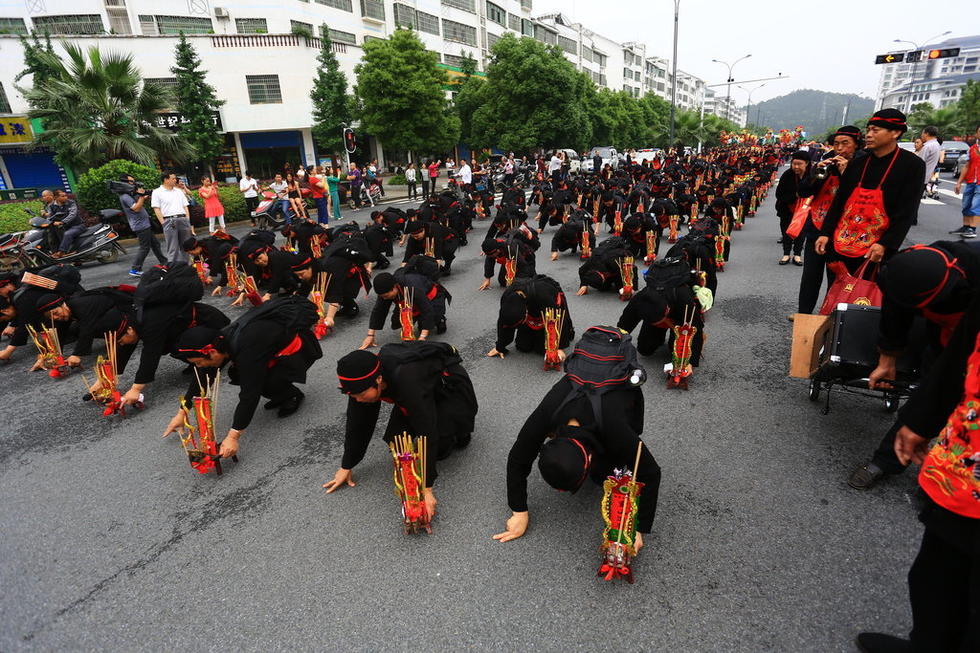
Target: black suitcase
[(853, 339)]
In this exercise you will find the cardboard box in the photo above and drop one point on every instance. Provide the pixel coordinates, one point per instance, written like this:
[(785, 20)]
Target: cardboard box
[(809, 332)]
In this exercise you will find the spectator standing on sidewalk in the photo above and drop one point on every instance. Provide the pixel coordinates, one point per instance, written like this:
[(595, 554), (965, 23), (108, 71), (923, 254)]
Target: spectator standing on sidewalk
[(450, 167), (410, 181), (319, 190), (355, 178), (173, 211), (969, 184), (333, 185), (250, 191), (134, 206), (433, 175), (214, 211), (930, 152)]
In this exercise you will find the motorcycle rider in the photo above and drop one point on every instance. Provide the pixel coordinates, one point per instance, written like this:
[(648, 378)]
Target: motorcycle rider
[(64, 213)]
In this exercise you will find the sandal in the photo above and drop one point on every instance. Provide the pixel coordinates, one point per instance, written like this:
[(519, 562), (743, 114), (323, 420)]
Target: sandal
[(784, 260), (797, 261)]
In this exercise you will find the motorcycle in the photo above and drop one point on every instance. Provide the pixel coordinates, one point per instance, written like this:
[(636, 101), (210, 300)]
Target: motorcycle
[(269, 213), (370, 194), (97, 243)]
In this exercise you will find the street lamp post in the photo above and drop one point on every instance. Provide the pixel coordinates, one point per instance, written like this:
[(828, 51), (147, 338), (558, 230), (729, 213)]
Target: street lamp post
[(748, 108), (915, 64), (728, 84), (673, 85)]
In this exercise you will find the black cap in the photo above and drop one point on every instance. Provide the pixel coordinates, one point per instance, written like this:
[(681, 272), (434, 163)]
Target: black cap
[(189, 244), (48, 301), (890, 119), (357, 371), (848, 130), (196, 342), (564, 463), (802, 155), (384, 283)]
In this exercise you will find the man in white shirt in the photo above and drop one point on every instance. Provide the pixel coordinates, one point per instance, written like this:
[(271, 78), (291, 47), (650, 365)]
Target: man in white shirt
[(172, 210), (250, 191), (465, 174), (554, 167), (930, 151)]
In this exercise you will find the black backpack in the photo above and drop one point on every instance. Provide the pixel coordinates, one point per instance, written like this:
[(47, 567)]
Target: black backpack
[(423, 265), (603, 359), (174, 283), (694, 248), (67, 278), (399, 353), (665, 274), (292, 312), (350, 245)]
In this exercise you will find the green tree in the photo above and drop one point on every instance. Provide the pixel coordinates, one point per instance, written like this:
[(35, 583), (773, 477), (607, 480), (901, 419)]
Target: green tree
[(946, 120), (534, 97), (968, 106), (469, 97), (400, 89), (331, 102), (96, 108), (39, 67), (197, 102)]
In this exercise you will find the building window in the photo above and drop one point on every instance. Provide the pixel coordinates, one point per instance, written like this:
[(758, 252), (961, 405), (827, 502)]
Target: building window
[(346, 5), (372, 38), (545, 36), (514, 22), (465, 5), (526, 4), (453, 31), (263, 89), (12, 26), (251, 26), (373, 9), (496, 14), (4, 102), (527, 27), (568, 45), (599, 58), (69, 24), (296, 26), (406, 16), (453, 60), (164, 25), (338, 36), (165, 82), (491, 40)]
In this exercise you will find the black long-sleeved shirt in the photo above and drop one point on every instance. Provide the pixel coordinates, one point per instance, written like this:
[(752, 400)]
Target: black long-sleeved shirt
[(422, 308), (94, 314), (162, 325), (569, 236), (277, 275), (412, 388), (622, 423), (787, 192), (901, 191), (896, 320), (537, 294)]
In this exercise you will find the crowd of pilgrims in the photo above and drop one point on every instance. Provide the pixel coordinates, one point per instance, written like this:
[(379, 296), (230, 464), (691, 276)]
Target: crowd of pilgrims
[(675, 217)]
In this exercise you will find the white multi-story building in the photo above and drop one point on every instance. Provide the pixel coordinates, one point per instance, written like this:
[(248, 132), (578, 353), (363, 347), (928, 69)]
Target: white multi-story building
[(724, 107), (261, 58), (937, 81)]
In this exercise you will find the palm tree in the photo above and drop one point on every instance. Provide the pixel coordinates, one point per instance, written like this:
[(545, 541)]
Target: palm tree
[(947, 120), (98, 108)]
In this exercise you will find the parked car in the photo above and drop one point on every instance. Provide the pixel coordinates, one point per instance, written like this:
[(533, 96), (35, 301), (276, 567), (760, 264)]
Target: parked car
[(609, 156), (954, 150), (574, 161), (961, 162), (647, 154)]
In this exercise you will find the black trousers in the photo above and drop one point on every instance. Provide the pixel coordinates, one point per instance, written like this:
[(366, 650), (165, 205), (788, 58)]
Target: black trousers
[(944, 584), (814, 269), (412, 190), (789, 244), (147, 242), (251, 203)]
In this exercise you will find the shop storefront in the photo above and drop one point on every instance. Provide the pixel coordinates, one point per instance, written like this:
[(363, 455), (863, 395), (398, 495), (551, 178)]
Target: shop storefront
[(25, 169), (268, 153)]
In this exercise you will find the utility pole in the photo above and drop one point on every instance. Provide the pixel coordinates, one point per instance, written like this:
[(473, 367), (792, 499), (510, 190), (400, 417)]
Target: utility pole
[(673, 85), (915, 64)]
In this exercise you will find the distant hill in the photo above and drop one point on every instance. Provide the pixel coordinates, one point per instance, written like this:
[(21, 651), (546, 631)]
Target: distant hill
[(817, 111)]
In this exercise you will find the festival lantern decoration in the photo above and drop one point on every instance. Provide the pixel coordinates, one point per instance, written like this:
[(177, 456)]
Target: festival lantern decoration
[(107, 380), (586, 243), (510, 267), (202, 270), (406, 315), (620, 505), (199, 441), (626, 268), (251, 290), (231, 272), (409, 456), (651, 246), (680, 369), (320, 329), (49, 351), (553, 319)]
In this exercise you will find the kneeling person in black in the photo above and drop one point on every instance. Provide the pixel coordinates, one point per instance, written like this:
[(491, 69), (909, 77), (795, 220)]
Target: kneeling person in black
[(431, 396), (428, 299), (270, 348), (521, 317)]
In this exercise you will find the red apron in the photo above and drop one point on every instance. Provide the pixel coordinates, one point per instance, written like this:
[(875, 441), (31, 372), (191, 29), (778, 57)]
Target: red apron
[(864, 220), (821, 203)]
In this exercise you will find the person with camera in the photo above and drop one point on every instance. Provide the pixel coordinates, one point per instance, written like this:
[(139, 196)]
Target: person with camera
[(132, 198), (821, 186)]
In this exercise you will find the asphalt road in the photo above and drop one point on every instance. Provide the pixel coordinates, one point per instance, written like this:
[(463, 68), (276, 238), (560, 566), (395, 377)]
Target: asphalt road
[(110, 541)]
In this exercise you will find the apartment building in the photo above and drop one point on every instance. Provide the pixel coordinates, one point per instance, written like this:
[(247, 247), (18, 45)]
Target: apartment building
[(937, 81)]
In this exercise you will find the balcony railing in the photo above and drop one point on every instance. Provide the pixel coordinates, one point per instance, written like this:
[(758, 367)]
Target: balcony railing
[(254, 40)]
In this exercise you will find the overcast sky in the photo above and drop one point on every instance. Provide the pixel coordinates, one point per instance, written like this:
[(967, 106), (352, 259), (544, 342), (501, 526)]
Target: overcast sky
[(782, 37)]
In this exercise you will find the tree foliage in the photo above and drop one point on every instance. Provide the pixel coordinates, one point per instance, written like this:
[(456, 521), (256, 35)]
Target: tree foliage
[(331, 102), (401, 96), (92, 190), (533, 97), (947, 120), (36, 65), (96, 108), (197, 102)]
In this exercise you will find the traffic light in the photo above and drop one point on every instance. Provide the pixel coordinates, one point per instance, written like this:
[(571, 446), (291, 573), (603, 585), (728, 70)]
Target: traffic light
[(350, 142), (943, 54), (913, 57), (895, 57)]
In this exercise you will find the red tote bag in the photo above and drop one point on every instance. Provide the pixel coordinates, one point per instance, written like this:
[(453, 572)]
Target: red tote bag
[(800, 214), (852, 288)]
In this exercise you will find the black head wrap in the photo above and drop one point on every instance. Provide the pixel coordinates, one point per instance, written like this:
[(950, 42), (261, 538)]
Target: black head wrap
[(384, 283), (196, 342), (890, 119), (920, 276), (564, 460), (357, 371)]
